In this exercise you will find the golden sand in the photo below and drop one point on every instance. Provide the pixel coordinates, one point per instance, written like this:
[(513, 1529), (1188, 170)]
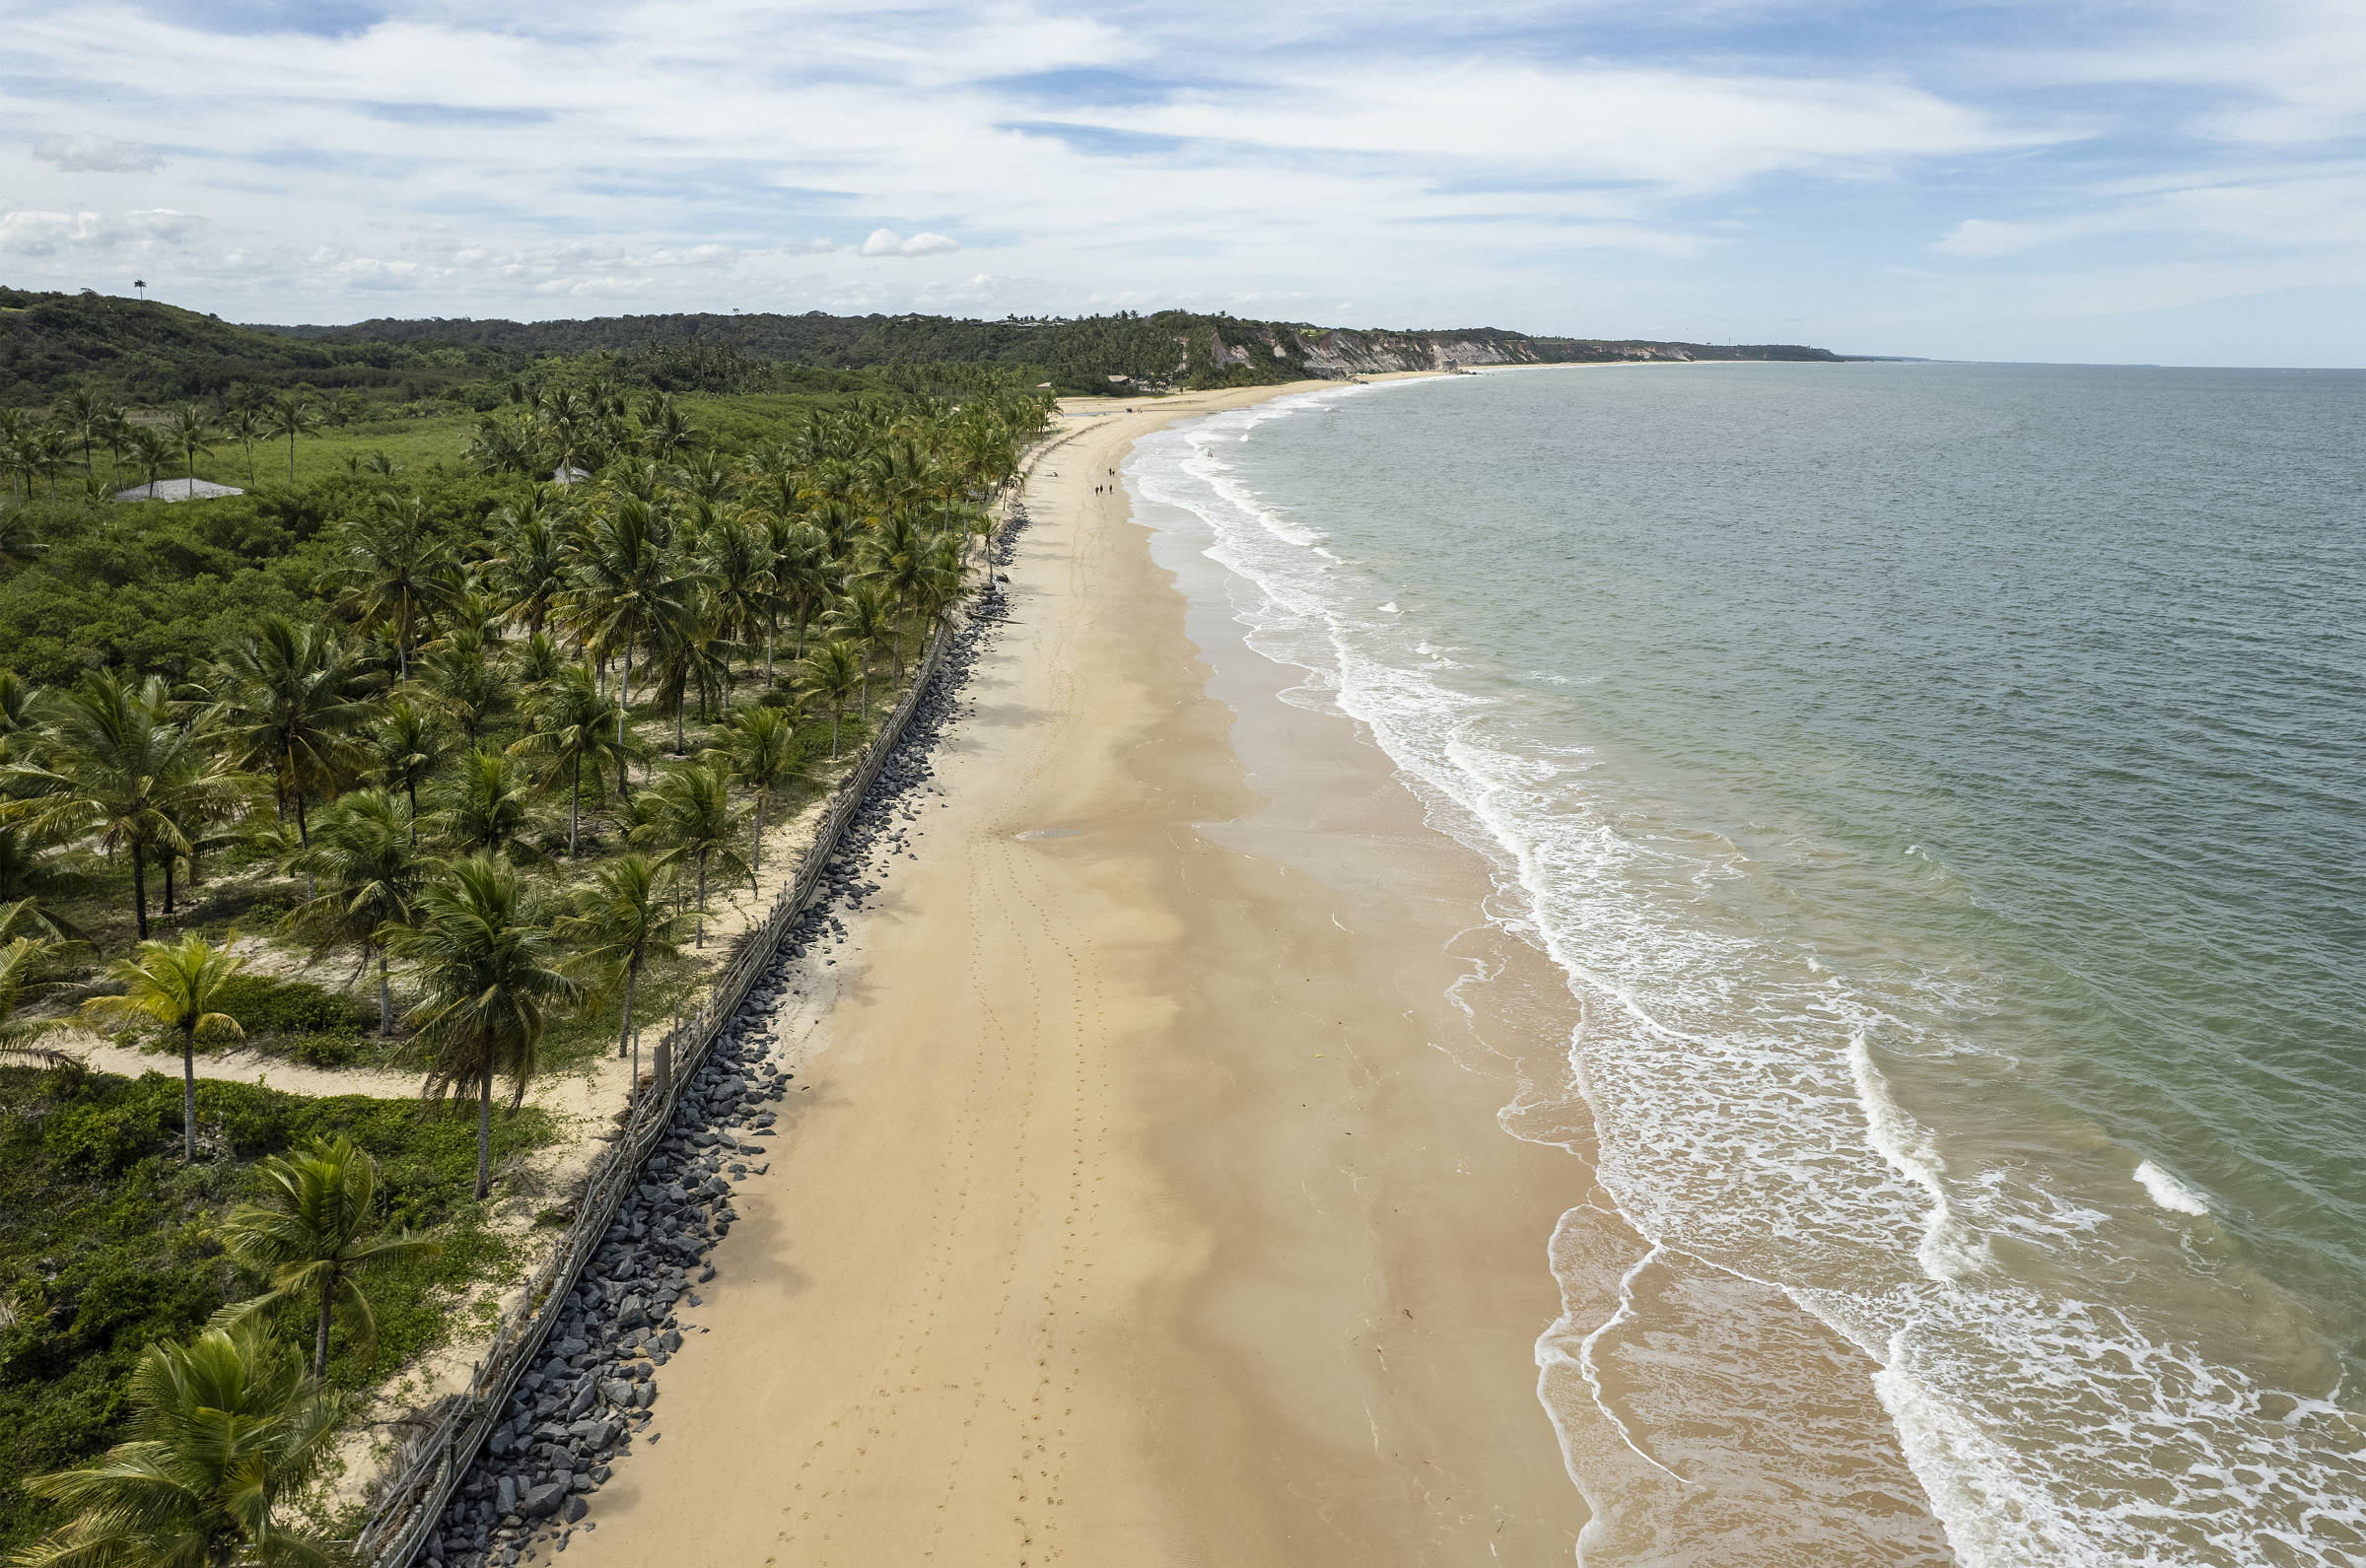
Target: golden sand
[(1142, 1200)]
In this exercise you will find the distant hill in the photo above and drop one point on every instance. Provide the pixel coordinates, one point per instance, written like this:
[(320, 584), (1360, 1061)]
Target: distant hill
[(158, 352), (151, 352), (1169, 346)]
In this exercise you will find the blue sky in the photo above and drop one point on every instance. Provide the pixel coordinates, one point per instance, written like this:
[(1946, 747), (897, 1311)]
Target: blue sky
[(2171, 182)]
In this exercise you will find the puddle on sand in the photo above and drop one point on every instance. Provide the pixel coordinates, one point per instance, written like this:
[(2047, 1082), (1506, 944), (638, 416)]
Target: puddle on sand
[(1048, 832)]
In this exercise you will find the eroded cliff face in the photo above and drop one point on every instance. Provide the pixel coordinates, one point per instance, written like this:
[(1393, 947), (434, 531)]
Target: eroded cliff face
[(1339, 353)]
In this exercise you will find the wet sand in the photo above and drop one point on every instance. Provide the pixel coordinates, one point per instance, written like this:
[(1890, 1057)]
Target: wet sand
[(1143, 1201)]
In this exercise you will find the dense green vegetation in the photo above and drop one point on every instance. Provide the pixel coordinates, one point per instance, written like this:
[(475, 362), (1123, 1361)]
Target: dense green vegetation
[(488, 750), (112, 1244)]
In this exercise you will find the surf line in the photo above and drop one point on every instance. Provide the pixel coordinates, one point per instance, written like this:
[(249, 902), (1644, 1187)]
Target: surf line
[(1593, 1378)]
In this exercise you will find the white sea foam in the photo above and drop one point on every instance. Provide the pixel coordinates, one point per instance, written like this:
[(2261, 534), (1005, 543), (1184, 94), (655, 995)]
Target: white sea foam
[(2170, 1193), (1743, 1120)]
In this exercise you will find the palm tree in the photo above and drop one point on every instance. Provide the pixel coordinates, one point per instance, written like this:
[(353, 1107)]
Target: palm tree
[(529, 574), (465, 683), (313, 1230), (763, 754), (483, 809), (801, 572), (689, 813), (176, 986), (245, 427), (395, 572), (864, 617), (490, 967), (24, 973), (625, 920), (406, 750), (223, 1431), (290, 416), (739, 562), (367, 868), (190, 427), (689, 657), (292, 698), (85, 416), (574, 722), (623, 585), (115, 766), (152, 448), (831, 675)]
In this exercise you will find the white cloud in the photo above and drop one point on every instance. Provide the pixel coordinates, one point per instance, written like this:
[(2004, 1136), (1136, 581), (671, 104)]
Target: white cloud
[(1598, 165), (97, 155), (888, 242), (36, 232)]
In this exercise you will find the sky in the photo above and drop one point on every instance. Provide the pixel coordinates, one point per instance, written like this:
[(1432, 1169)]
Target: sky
[(2164, 181)]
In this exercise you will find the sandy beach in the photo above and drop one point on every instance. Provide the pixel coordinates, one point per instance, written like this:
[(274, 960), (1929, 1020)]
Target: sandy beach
[(1143, 1201)]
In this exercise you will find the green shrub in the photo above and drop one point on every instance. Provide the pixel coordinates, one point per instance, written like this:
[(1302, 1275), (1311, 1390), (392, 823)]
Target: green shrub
[(106, 1240), (263, 1005), (101, 1139)]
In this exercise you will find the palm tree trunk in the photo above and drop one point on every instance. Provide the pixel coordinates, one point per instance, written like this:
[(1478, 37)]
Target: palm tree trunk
[(291, 457), (188, 1097), (484, 1132), (624, 1031), (386, 998), (702, 901), (139, 891), (168, 860), (755, 856), (328, 1298), (575, 802)]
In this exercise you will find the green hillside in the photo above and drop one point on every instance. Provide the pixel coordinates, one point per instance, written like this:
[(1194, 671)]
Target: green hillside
[(150, 352)]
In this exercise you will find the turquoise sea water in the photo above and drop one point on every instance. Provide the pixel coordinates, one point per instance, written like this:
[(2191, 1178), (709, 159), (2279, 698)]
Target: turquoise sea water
[(1943, 787)]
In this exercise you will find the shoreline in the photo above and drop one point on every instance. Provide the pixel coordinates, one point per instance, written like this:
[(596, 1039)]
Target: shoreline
[(1130, 1211)]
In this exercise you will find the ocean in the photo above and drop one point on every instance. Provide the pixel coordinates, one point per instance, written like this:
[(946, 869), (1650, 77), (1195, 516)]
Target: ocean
[(1942, 787)]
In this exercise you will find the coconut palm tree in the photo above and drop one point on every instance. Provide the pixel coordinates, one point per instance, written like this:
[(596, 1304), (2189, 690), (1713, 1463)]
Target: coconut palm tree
[(831, 675), (574, 722), (528, 576), (291, 698), (176, 986), (189, 429), (113, 765), (245, 425), (366, 867), (623, 922), (623, 585), (407, 749), (483, 807), (223, 1431), (688, 814), (151, 448), (760, 749), (25, 964), (865, 619), (738, 560), (466, 683), (313, 1230), (290, 416), (689, 657), (490, 968), (803, 573), (84, 416), (394, 572)]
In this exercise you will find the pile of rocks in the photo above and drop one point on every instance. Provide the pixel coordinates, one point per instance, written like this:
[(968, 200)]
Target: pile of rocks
[(593, 1391)]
